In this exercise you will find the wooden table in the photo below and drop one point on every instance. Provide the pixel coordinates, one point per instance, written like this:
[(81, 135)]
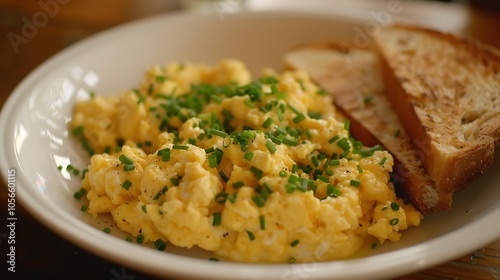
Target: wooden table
[(42, 253)]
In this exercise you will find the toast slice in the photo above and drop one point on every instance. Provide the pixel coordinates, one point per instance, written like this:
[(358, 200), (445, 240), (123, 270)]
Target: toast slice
[(353, 77), (446, 91)]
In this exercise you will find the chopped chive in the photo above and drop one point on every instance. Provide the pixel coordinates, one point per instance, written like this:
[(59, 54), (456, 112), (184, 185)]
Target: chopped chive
[(283, 173), (218, 133), (270, 146), (160, 78), (308, 133), (140, 238), (374, 245), (77, 130), (79, 194), (157, 196), (106, 230), (84, 208), (165, 155), (125, 160), (315, 161), (347, 123), (294, 243), (213, 259), (143, 208), (295, 168), (174, 181), (321, 92), (250, 235), (165, 188), (360, 170), (299, 118), (249, 103), (367, 99), (216, 98), (128, 167), (160, 245), (126, 185), (290, 188), (394, 222), (384, 159), (217, 219), (344, 144), (259, 200), (248, 155), (212, 161), (394, 206), (334, 139), (291, 260), (128, 239), (180, 147), (355, 183), (262, 221), (221, 197), (238, 184), (223, 176), (290, 142), (322, 178), (292, 179), (267, 123), (257, 172)]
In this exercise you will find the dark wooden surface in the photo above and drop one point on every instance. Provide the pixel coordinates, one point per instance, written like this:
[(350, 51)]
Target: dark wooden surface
[(41, 254)]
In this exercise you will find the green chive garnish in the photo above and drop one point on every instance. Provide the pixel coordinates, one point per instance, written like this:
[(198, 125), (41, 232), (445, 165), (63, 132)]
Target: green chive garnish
[(180, 147), (238, 184), (270, 146), (262, 220), (294, 243), (394, 206), (160, 245), (128, 167), (217, 219), (394, 222), (248, 155), (140, 238), (355, 183), (125, 160), (250, 235), (212, 161), (383, 161), (267, 123), (126, 185)]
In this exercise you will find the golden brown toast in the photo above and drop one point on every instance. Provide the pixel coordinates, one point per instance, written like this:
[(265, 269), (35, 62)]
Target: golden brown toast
[(446, 91), (353, 77)]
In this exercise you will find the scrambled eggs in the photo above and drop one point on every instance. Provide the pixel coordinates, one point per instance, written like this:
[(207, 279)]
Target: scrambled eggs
[(255, 171)]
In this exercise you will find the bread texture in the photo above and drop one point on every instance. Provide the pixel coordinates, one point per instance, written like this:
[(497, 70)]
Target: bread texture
[(353, 77), (446, 91)]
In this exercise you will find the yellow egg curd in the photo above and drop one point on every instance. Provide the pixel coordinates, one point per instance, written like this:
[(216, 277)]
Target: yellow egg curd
[(252, 170)]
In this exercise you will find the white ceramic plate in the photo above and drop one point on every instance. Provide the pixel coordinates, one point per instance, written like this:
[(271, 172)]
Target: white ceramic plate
[(35, 140)]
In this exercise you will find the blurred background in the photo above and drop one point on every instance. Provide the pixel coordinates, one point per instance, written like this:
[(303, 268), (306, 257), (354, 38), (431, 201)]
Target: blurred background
[(57, 24)]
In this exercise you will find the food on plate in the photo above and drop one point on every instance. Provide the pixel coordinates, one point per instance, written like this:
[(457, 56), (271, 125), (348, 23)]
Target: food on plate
[(252, 170), (441, 129)]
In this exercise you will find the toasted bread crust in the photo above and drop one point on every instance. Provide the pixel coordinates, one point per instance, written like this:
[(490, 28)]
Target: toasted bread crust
[(353, 78), (452, 119)]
